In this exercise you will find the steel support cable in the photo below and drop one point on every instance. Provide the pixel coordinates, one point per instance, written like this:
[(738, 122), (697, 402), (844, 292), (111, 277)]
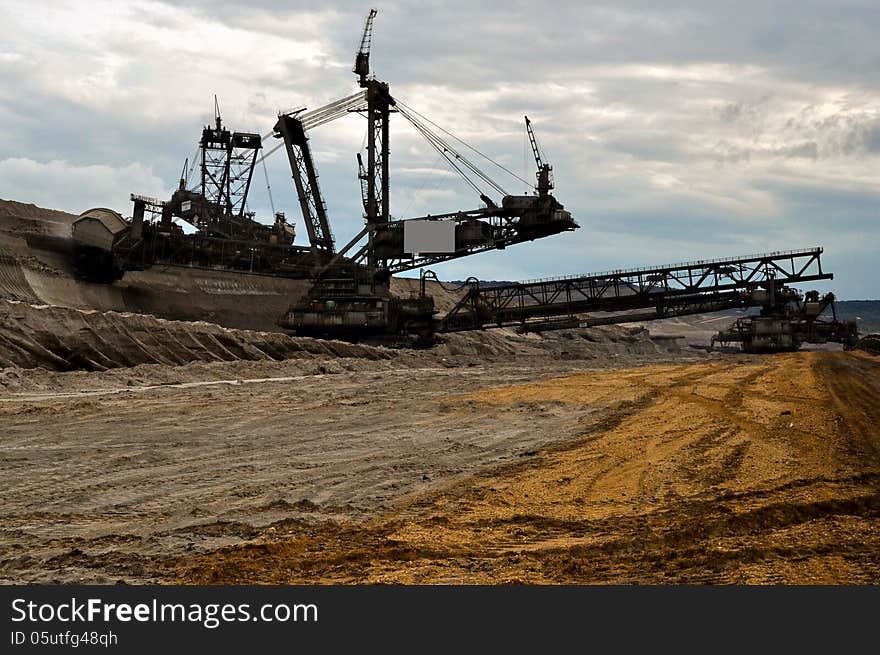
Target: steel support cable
[(320, 109), (469, 282), (334, 110), (271, 151), (438, 141), (443, 146), (314, 120), (338, 106), (464, 143), (192, 165), (325, 119), (473, 167), (268, 187), (424, 184), (323, 115), (443, 153), (328, 108)]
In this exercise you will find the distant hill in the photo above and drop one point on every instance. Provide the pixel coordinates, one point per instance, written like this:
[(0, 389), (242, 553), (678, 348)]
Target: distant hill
[(866, 311)]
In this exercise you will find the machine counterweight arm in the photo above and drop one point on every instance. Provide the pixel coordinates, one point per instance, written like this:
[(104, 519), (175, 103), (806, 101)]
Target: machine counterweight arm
[(296, 143)]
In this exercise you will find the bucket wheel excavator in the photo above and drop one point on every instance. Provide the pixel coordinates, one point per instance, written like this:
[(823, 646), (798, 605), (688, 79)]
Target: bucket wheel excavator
[(350, 297)]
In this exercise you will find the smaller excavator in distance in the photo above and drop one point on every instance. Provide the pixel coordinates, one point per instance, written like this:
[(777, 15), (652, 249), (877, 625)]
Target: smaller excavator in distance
[(788, 320)]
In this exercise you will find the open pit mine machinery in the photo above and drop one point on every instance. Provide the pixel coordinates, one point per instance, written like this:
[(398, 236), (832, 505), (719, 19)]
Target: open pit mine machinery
[(787, 318), (350, 295)]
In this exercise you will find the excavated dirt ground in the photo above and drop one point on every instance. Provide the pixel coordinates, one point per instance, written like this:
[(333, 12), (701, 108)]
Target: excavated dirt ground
[(733, 469), (105, 474), (757, 471)]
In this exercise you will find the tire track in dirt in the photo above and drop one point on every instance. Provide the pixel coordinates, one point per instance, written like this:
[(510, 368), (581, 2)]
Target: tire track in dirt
[(854, 387), (761, 473), (135, 474)]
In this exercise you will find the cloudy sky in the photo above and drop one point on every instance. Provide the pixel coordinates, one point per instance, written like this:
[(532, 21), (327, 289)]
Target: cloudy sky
[(677, 130)]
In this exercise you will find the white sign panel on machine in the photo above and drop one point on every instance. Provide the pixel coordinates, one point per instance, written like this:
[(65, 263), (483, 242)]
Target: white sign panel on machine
[(421, 236)]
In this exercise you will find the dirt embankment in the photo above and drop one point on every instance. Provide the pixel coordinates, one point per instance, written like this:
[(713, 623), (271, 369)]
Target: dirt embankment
[(26, 219), (765, 471), (63, 339), (35, 267)]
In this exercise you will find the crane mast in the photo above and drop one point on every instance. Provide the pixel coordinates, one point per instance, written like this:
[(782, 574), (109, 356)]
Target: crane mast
[(362, 58), (375, 179), (545, 171)]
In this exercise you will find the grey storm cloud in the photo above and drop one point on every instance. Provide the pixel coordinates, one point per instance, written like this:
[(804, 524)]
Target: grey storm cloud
[(677, 131)]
